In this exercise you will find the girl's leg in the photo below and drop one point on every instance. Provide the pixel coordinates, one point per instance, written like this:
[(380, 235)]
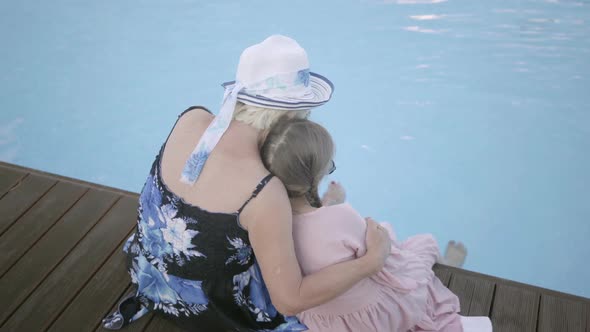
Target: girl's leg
[(334, 195), (455, 254)]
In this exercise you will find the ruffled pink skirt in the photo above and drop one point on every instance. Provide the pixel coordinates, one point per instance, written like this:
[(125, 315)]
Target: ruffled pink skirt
[(404, 296)]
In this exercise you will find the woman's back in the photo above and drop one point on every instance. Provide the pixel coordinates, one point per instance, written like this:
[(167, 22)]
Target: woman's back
[(190, 258), (231, 171)]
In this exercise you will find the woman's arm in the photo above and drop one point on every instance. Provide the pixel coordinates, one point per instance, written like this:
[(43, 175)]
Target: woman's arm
[(270, 231)]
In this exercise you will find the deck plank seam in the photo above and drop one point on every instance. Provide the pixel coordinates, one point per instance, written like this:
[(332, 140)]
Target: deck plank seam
[(58, 263), (28, 208), (46, 231), (493, 301), (538, 312), (66, 305), (471, 293), (448, 283), (16, 185)]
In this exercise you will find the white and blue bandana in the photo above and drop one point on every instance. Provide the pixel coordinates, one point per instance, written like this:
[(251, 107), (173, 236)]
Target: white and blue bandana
[(299, 90)]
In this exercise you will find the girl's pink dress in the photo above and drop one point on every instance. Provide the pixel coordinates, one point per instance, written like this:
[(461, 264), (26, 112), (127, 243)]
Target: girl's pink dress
[(404, 296)]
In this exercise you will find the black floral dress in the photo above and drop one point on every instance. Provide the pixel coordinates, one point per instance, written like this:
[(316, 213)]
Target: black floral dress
[(195, 267)]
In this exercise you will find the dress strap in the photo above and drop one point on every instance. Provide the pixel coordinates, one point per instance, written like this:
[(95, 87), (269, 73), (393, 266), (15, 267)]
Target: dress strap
[(256, 191)]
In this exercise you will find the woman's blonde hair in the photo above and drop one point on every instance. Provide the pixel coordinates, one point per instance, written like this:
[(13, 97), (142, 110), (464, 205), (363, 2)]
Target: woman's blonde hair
[(263, 118), (299, 152)]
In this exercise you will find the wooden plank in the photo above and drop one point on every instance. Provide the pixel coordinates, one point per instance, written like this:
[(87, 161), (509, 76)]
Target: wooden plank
[(9, 178), (514, 309), (558, 314), (45, 255), (516, 284), (62, 285), (20, 198), (62, 178), (97, 296), (36, 221), (137, 326), (442, 273), (159, 324), (474, 294)]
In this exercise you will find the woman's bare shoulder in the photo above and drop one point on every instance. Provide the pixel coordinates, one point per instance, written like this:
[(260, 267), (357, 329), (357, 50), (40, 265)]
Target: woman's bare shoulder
[(197, 115), (192, 121), (272, 203)]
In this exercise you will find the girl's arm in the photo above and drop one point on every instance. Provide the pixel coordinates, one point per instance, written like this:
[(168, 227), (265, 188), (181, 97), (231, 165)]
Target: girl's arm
[(270, 230)]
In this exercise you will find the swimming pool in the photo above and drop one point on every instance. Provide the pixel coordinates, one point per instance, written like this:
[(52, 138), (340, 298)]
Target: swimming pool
[(468, 120)]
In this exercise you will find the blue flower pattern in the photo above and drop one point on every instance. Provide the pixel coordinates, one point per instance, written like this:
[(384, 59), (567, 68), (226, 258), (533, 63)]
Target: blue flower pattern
[(243, 252), (195, 164), (259, 302), (164, 239), (302, 77)]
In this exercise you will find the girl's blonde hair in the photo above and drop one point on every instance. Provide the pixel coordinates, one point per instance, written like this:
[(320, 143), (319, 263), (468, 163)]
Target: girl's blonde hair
[(263, 118), (299, 152)]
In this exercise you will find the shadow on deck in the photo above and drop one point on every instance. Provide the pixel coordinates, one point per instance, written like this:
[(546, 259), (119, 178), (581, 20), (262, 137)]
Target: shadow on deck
[(62, 266)]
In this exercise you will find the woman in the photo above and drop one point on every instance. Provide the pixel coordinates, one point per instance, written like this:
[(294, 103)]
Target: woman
[(404, 296), (214, 241)]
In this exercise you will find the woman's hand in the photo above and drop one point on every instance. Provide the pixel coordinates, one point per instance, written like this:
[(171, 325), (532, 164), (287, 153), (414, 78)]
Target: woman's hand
[(269, 222), (378, 245)]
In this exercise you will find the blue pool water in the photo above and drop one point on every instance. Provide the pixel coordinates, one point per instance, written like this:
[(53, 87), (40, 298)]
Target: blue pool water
[(466, 119)]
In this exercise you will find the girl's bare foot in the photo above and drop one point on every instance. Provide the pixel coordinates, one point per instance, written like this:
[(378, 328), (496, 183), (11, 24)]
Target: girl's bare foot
[(455, 254), (334, 195)]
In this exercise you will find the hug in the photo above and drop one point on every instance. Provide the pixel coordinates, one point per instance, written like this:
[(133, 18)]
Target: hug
[(232, 234)]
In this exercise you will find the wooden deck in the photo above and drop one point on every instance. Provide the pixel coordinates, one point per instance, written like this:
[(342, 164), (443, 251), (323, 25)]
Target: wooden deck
[(62, 266)]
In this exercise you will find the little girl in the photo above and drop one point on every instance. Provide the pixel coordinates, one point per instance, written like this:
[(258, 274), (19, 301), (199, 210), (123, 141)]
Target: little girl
[(404, 296)]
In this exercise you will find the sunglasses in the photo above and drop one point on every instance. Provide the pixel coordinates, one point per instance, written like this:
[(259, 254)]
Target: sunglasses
[(333, 168)]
